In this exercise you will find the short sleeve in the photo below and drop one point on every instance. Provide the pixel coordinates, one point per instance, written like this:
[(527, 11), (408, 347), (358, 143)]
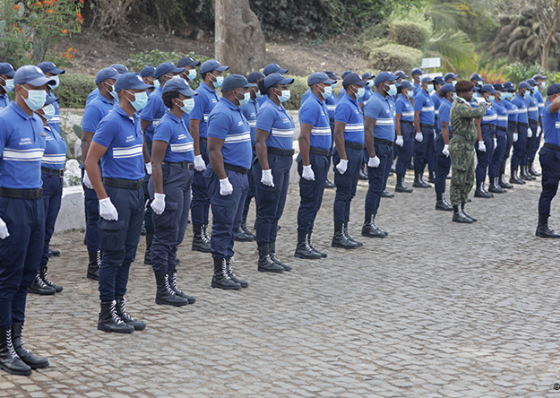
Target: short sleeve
[(419, 103), (343, 113), (399, 106), (3, 131), (308, 113), (152, 108), (105, 132), (372, 109), (198, 111), (218, 125), (163, 132), (265, 118), (91, 119), (444, 113)]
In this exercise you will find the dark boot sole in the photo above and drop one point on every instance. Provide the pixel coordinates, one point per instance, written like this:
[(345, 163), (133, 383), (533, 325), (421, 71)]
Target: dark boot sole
[(404, 190), (93, 277), (318, 257), (201, 249), (51, 293), (121, 331), (38, 366), (15, 372), (173, 304), (216, 286), (271, 271), (444, 208), (344, 247), (462, 221), (546, 236), (243, 239)]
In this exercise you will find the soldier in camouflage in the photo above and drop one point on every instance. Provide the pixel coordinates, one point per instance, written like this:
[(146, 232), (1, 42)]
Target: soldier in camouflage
[(461, 148)]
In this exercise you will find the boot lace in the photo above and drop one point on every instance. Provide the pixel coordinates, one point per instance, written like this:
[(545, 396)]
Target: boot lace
[(10, 344), (204, 234), (168, 287), (99, 257), (114, 315), (40, 282), (173, 283), (225, 268)]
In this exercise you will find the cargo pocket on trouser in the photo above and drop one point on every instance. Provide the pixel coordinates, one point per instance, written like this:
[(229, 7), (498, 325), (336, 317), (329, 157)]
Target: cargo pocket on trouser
[(112, 234)]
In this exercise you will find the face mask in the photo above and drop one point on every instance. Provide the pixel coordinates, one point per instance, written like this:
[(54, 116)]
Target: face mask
[(156, 84), (35, 99), (454, 82), (327, 93), (9, 85), (410, 95), (177, 77), (258, 93), (49, 112), (504, 96), (526, 94), (334, 85), (140, 101), (370, 83), (113, 92), (491, 98), (192, 74), (454, 96), (245, 100), (430, 88), (479, 82), (188, 105), (392, 90), (543, 84), (360, 93), (535, 89), (57, 80), (218, 82), (285, 96)]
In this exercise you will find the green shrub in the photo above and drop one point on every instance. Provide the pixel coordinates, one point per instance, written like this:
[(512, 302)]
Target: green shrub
[(297, 89), (519, 72), (395, 57), (408, 33), (74, 89)]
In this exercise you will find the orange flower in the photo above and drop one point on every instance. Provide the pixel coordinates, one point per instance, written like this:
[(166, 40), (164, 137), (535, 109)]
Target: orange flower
[(82, 1), (39, 4), (50, 11), (65, 31)]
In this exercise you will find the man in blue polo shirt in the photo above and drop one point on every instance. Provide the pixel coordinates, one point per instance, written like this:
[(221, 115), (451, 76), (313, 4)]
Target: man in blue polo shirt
[(519, 156), (404, 127), (450, 78), (441, 146), (424, 123), (22, 215), (549, 156), (341, 92), (269, 70), (6, 83), (368, 79), (349, 139), (50, 70), (148, 75), (512, 134), (189, 74), (212, 74), (118, 143), (501, 139), (230, 153), (379, 130), (541, 84), (416, 83), (95, 111), (120, 68), (315, 145), (533, 117)]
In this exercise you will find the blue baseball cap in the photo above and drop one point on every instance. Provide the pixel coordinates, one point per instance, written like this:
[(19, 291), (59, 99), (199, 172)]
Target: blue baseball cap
[(236, 81), (353, 78), (488, 88), (476, 76), (345, 73), (187, 61), (7, 69), (426, 79), (448, 88), (367, 75), (406, 84), (538, 76), (450, 75), (51, 99), (523, 85), (33, 75), (319, 77), (166, 67), (332, 75), (401, 75), (254, 77), (107, 73), (476, 88), (439, 80), (553, 89), (179, 85), (120, 68), (131, 81), (383, 77), (499, 87), (273, 68), (532, 82), (416, 71), (148, 71), (509, 86), (276, 78), (211, 65), (51, 68)]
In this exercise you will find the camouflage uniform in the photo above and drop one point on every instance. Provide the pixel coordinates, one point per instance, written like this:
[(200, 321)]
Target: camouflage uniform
[(461, 148)]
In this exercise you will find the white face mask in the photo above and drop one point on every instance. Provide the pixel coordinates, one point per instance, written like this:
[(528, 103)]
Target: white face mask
[(8, 85)]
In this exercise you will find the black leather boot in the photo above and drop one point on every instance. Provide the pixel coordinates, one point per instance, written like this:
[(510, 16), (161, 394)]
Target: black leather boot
[(514, 178), (93, 265), (503, 183), (339, 239), (432, 177), (387, 194), (265, 262), (172, 277), (310, 243), (524, 175), (9, 359), (303, 250), (349, 237), (532, 170), (441, 203), (459, 216), (110, 321), (495, 186), (363, 173), (165, 295), (419, 181), (221, 279), (234, 277), (543, 230), (401, 186), (371, 230), (41, 288), (45, 278), (244, 235), (272, 254), (329, 184), (200, 243), (54, 252), (467, 215), (148, 253), (33, 361), (480, 192), (125, 316)]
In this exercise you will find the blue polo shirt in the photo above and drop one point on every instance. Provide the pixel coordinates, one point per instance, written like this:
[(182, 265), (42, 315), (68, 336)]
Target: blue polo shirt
[(250, 110), (490, 117), (551, 126), (315, 113), (340, 95), (4, 101), (424, 104), (153, 112), (226, 122), (205, 101), (55, 121), (95, 111), (54, 156), (540, 100), (91, 96), (532, 108), (331, 105), (381, 109), (122, 136), (305, 96), (174, 131), (416, 89), (367, 96), (437, 101), (519, 102), (404, 108), (444, 113), (278, 122), (22, 143), (512, 110), (348, 112), (501, 114)]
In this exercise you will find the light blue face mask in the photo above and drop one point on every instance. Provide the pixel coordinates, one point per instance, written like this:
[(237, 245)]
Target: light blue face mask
[(392, 90), (57, 80), (535, 89), (258, 93), (140, 101), (454, 96), (361, 92), (504, 96), (543, 84), (113, 92), (245, 100), (176, 77), (285, 96), (188, 105), (526, 94), (335, 84), (454, 82), (218, 82), (192, 74), (35, 99), (327, 93), (49, 112), (9, 85), (430, 88), (491, 98), (156, 84)]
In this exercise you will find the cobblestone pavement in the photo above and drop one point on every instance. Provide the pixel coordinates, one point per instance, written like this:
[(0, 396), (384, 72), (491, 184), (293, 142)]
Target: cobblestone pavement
[(437, 309)]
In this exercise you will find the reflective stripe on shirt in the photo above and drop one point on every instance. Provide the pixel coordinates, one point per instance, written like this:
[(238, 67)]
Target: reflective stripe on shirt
[(182, 147), (127, 152), (321, 131), (282, 132), (25, 155), (233, 139)]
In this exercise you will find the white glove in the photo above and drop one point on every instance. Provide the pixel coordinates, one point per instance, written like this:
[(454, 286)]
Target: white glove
[(266, 178), (225, 187), (419, 137), (3, 230), (445, 150), (539, 131), (529, 133), (495, 142), (342, 166), (148, 168), (158, 204), (481, 146), (107, 210), (86, 181), (199, 164), (373, 162), (308, 173), (400, 140), (515, 137)]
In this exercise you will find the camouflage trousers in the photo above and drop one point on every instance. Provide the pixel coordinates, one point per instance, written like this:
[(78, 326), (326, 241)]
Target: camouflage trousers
[(462, 171)]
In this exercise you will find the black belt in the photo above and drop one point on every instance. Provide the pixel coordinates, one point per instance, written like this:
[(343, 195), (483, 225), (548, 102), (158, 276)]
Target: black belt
[(281, 152), (54, 172), (431, 126), (122, 183), (501, 128), (184, 164), (237, 169), (353, 145), (406, 122), (491, 125), (512, 123), (552, 146), (254, 147), (523, 124), (22, 193), (533, 121), (382, 141), (318, 151), (201, 139)]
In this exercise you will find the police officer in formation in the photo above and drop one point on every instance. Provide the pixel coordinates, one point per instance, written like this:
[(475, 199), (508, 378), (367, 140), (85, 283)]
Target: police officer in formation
[(500, 142), (519, 155), (424, 121), (486, 127), (511, 134), (541, 85), (533, 114), (404, 127), (7, 73)]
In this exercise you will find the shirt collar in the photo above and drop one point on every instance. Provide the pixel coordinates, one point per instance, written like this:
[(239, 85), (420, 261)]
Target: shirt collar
[(386, 99), (230, 105), (125, 115), (280, 108), (20, 111), (205, 86), (172, 116)]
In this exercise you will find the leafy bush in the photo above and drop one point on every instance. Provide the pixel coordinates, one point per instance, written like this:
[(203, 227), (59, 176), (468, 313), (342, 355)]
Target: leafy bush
[(395, 57), (494, 76), (74, 89), (297, 89), (408, 33), (519, 72)]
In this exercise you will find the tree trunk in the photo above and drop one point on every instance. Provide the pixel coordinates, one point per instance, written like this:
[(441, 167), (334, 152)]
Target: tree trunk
[(546, 52), (239, 40)]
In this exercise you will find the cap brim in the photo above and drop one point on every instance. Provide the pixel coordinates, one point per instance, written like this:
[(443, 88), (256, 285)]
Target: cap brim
[(248, 85), (10, 73), (41, 81), (360, 83), (139, 86), (282, 71), (57, 71), (51, 100), (221, 68), (189, 92), (286, 81)]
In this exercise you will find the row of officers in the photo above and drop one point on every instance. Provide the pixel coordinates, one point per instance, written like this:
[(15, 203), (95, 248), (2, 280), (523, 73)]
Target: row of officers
[(154, 149)]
